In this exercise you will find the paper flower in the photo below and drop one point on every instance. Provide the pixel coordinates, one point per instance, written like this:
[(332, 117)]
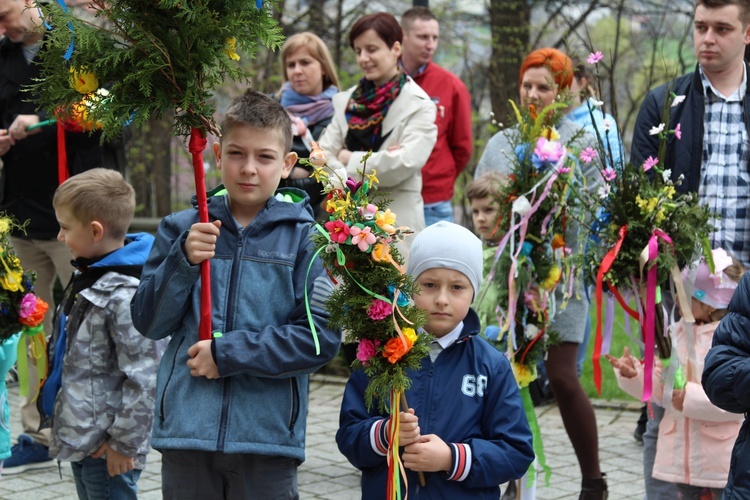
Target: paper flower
[(656, 130), (547, 153), (338, 231), (84, 82), (386, 220), (588, 155), (552, 278), (396, 348), (362, 237), (231, 49), (379, 309), (367, 349), (36, 317), (595, 57), (678, 132), (677, 100), (524, 375), (608, 174), (650, 163)]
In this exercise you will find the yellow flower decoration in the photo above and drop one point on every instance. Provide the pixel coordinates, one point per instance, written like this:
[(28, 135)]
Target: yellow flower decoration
[(660, 216), (386, 220), (319, 175), (552, 278), (11, 281), (83, 82), (381, 252), (550, 133), (669, 192), (4, 225), (523, 374), (339, 207), (231, 49), (410, 334), (371, 177)]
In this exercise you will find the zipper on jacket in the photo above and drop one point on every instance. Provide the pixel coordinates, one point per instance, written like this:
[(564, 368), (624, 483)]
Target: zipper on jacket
[(162, 409), (229, 326), (294, 411)]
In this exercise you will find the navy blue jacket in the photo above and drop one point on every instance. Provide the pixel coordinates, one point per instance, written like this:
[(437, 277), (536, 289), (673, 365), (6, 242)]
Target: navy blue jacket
[(258, 404), (683, 156), (469, 398), (726, 380)]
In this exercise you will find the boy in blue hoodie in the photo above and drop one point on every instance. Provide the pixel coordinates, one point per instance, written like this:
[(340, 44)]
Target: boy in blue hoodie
[(231, 411), (465, 428), (99, 395)]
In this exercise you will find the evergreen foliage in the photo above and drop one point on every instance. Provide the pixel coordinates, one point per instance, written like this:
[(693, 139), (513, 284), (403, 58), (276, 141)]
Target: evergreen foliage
[(153, 56)]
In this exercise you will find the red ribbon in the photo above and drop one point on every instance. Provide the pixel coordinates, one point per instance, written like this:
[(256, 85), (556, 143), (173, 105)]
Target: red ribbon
[(604, 268), (62, 155), (196, 146)]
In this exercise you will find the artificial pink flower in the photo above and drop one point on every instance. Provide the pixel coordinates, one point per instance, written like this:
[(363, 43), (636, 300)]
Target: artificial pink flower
[(27, 305), (338, 230), (379, 309), (588, 155), (547, 152), (650, 163), (367, 349), (368, 212), (595, 57), (678, 132), (609, 174), (362, 237)]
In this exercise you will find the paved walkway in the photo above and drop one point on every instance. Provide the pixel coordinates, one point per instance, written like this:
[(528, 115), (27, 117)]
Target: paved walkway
[(327, 475)]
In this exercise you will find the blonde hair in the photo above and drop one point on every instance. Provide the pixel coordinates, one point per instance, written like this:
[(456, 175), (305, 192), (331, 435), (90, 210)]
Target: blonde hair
[(317, 49), (487, 184), (101, 195)]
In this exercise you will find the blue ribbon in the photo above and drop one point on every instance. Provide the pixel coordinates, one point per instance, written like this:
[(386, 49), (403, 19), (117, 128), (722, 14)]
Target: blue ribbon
[(69, 52)]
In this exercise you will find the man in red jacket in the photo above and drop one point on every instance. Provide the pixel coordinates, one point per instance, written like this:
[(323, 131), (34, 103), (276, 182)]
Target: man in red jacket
[(454, 144)]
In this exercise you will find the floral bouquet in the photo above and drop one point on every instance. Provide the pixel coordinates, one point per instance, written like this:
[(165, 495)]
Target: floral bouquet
[(20, 309), (534, 267), (534, 257), (371, 303), (644, 232)]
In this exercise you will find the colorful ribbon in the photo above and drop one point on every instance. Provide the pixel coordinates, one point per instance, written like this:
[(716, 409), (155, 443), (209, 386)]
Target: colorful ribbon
[(607, 262), (537, 444)]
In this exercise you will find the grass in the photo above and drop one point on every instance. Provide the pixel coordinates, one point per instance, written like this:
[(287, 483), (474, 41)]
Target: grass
[(620, 339)]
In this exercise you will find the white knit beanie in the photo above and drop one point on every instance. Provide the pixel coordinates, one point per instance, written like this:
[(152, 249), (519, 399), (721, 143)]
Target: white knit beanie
[(447, 245)]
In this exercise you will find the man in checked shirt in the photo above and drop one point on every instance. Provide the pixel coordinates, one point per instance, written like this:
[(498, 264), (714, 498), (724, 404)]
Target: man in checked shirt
[(712, 107)]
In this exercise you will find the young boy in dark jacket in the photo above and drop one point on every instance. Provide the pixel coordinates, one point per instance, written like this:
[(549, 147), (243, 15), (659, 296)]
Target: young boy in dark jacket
[(231, 411), (466, 428)]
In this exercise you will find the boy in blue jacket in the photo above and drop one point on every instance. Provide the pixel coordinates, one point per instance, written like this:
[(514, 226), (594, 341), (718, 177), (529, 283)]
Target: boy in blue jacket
[(231, 411), (466, 428), (99, 394)]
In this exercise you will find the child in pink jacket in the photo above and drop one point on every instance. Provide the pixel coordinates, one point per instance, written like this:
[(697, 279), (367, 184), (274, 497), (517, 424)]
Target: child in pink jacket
[(695, 437)]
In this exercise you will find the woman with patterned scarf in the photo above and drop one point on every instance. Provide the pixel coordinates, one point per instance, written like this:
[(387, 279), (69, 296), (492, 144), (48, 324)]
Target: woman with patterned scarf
[(386, 113), (310, 81)]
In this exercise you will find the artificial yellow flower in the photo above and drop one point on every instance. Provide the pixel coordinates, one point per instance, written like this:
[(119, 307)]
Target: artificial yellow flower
[(84, 82), (381, 252), (339, 207), (231, 49), (4, 225), (320, 175), (669, 192), (550, 133), (660, 216), (386, 220), (410, 334), (523, 374), (552, 278), (11, 281), (371, 177)]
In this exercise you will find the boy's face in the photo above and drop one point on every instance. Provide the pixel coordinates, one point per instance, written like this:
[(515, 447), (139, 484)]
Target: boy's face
[(484, 216), (719, 38), (78, 237), (252, 162), (446, 295)]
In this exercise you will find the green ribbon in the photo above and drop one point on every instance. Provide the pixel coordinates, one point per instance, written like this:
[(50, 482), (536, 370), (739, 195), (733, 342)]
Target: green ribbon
[(679, 376), (528, 408)]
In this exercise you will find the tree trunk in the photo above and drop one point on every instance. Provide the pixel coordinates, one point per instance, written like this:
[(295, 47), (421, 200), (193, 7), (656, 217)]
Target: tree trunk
[(509, 24)]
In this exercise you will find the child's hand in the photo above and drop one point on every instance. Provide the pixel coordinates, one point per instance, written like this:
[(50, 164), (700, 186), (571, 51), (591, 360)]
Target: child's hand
[(201, 362), (678, 399), (428, 454), (201, 241), (408, 427), (626, 364), (117, 463)]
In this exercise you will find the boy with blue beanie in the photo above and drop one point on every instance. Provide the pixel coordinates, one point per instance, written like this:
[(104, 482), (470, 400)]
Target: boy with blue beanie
[(466, 429)]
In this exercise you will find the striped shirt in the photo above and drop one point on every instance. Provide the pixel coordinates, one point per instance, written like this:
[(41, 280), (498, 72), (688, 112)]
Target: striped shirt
[(725, 181)]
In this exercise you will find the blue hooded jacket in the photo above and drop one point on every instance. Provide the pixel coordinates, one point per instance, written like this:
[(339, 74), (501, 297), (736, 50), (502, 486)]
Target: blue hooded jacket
[(258, 404), (468, 397)]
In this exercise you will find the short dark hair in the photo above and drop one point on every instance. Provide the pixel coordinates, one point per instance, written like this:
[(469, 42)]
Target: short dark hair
[(383, 23), (420, 12), (261, 112), (744, 6)]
